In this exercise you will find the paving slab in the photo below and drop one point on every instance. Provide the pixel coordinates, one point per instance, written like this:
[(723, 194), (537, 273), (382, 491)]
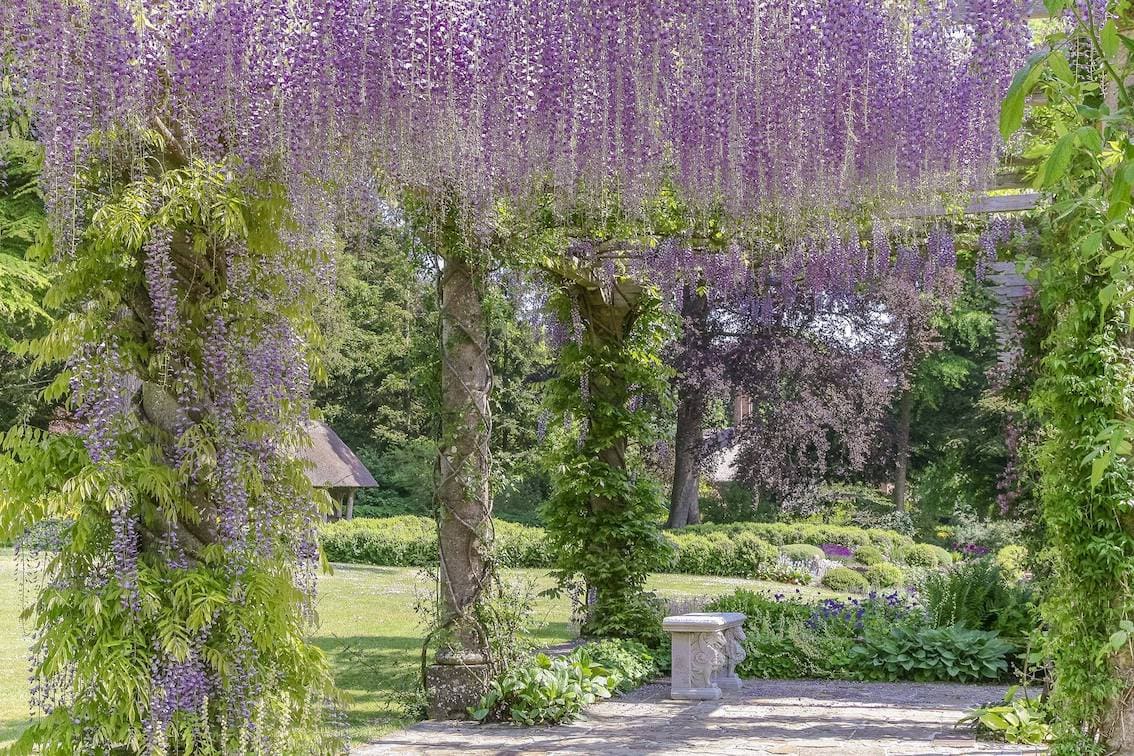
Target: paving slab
[(765, 717)]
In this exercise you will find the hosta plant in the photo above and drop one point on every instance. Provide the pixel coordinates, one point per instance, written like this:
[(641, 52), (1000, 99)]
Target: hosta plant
[(549, 690), (1014, 719), (953, 654)]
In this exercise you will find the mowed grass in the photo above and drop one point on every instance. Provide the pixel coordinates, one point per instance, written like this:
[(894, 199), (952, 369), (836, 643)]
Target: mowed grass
[(370, 631)]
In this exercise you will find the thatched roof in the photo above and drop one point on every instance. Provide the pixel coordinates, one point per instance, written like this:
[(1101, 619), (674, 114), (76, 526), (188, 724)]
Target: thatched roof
[(331, 463)]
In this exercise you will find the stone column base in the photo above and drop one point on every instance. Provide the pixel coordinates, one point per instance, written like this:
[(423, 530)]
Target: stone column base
[(452, 689), (696, 694)]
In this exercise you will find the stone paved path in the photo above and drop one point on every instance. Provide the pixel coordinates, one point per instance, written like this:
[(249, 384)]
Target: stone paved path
[(767, 717)]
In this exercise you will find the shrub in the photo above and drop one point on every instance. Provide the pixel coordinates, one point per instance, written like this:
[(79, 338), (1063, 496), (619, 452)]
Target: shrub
[(990, 535), (844, 579), (757, 606), (801, 552), (632, 662), (1012, 561), (780, 533), (975, 594), (1014, 719), (409, 541), (778, 642), (745, 550), (546, 690), (944, 556), (869, 555), (405, 541), (518, 545), (953, 654), (876, 613), (922, 555), (884, 575), (740, 554)]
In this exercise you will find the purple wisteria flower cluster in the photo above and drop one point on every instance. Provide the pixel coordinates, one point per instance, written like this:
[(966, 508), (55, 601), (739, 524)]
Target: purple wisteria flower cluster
[(768, 107), (102, 392)]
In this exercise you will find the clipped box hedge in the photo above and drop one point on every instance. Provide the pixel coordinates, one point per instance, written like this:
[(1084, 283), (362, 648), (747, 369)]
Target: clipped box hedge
[(748, 550), (784, 533), (410, 541)]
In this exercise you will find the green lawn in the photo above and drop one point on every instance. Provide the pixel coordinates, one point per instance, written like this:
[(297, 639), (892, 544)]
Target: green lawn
[(368, 628)]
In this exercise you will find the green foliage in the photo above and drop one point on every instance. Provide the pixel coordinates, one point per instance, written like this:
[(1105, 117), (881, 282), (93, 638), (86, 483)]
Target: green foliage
[(975, 594), (884, 575), (779, 642), (782, 533), (953, 654), (734, 551), (243, 615), (739, 555), (1012, 561), (409, 541), (23, 277), (1015, 719), (382, 358), (853, 505), (729, 502), (845, 580), (803, 552), (958, 451), (990, 534), (602, 518), (1085, 146), (869, 555), (548, 690), (923, 555), (633, 663)]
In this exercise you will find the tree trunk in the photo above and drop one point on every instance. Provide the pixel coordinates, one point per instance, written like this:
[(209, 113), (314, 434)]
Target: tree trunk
[(464, 504), (902, 449), (692, 396)]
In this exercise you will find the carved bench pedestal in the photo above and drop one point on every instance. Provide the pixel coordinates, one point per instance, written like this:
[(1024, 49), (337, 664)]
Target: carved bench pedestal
[(706, 649)]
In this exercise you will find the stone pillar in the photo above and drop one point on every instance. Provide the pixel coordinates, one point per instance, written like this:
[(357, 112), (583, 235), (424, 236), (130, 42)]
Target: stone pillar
[(461, 671)]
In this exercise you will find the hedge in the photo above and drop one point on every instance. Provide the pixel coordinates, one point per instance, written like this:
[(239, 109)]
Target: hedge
[(727, 555), (733, 550), (802, 552), (784, 533), (409, 541)]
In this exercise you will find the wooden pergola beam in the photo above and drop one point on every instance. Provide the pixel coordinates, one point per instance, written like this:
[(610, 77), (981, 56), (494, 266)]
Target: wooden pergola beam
[(983, 204)]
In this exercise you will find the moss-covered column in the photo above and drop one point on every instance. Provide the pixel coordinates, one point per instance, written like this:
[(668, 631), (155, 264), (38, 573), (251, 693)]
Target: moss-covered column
[(603, 516), (461, 669)]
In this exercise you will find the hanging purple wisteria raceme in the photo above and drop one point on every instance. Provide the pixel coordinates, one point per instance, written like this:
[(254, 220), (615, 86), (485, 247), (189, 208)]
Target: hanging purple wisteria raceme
[(784, 107)]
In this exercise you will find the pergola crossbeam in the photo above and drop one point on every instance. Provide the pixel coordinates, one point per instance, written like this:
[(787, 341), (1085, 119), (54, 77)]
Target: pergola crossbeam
[(983, 204)]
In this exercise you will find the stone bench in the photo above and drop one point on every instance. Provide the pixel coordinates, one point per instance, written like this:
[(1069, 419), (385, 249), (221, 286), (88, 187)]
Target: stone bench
[(706, 649)]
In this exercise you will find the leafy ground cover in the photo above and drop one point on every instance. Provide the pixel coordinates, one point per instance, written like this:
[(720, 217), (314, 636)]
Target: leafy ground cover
[(369, 629)]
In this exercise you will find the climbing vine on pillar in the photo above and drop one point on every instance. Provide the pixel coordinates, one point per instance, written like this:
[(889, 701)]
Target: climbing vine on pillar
[(604, 513), (465, 657), (175, 612), (1083, 393)]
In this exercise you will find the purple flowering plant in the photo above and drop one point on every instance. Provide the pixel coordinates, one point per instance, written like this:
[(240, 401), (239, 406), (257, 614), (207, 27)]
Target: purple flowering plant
[(837, 551)]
